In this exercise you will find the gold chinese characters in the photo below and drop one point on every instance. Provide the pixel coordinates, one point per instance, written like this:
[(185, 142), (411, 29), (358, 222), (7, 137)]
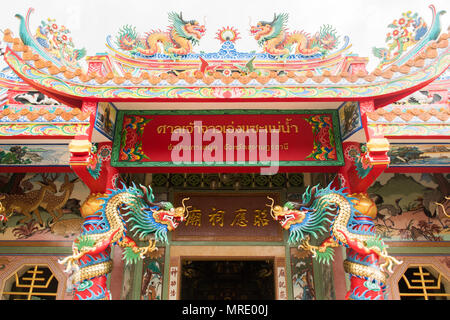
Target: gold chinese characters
[(241, 217)]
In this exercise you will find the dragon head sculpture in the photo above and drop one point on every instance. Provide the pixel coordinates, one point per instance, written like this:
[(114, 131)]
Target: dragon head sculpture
[(146, 216), (169, 215), (265, 30), (177, 40), (192, 30), (288, 214), (303, 218)]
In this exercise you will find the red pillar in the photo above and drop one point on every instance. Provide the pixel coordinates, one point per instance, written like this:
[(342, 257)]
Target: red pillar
[(363, 165), (92, 163)]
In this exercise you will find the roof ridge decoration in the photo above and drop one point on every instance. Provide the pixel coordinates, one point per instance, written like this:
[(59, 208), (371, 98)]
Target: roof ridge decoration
[(410, 30), (205, 77), (227, 34), (275, 40), (51, 40), (181, 36), (277, 43)]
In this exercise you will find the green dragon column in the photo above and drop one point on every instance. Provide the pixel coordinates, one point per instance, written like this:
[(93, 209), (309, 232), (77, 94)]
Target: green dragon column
[(90, 261), (327, 210)]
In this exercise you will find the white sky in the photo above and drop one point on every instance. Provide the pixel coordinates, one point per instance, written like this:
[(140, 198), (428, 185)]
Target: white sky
[(364, 21)]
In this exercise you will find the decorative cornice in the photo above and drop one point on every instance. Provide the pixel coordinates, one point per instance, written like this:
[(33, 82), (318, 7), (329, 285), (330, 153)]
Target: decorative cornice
[(45, 130)]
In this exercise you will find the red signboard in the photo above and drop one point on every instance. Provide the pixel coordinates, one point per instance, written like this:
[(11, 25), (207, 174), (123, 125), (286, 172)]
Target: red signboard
[(227, 139)]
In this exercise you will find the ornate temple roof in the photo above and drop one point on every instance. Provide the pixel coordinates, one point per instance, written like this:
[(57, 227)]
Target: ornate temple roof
[(27, 113), (133, 72), (47, 79), (10, 80)]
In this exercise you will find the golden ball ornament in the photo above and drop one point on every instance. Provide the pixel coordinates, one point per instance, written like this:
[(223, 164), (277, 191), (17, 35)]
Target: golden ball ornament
[(92, 204), (364, 205)]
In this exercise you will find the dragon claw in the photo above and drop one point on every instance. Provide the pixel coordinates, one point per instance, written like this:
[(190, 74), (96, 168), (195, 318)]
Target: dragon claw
[(70, 262), (307, 247), (389, 262), (150, 248)]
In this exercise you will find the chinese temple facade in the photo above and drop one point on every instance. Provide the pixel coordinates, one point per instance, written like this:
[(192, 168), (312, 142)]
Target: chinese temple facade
[(153, 172)]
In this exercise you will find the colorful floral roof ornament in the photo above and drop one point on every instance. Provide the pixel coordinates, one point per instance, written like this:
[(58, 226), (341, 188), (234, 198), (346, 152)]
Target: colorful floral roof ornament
[(407, 31), (51, 40)]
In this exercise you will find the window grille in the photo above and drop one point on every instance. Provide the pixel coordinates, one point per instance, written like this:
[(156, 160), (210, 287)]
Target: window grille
[(31, 282), (423, 283)]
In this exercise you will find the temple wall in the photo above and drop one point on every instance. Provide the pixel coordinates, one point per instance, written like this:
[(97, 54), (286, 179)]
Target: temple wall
[(407, 209), (38, 240), (23, 228), (415, 230)]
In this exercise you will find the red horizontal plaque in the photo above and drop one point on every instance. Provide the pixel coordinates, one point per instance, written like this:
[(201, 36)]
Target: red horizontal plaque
[(227, 138)]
